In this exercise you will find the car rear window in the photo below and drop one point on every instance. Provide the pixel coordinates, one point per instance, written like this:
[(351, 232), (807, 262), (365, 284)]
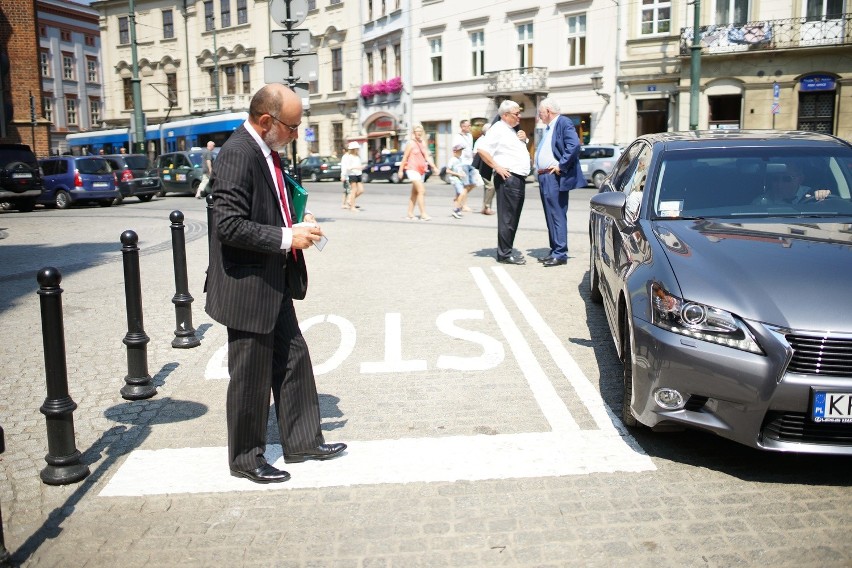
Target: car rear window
[(592, 153), (93, 166), (10, 156), (137, 162)]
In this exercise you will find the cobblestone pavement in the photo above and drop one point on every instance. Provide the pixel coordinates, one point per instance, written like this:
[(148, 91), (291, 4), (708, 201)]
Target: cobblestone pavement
[(479, 406)]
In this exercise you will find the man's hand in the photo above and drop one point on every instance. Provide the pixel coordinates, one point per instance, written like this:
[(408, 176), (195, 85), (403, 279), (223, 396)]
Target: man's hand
[(305, 233), (821, 194)]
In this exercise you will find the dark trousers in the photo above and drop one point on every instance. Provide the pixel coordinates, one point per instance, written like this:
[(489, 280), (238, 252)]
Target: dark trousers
[(510, 203), (555, 204), (278, 361)]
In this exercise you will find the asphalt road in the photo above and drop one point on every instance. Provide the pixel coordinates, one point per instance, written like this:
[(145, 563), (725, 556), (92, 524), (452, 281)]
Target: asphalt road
[(479, 401)]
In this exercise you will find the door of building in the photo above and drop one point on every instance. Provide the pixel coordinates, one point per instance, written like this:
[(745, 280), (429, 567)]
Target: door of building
[(816, 112), (652, 115)]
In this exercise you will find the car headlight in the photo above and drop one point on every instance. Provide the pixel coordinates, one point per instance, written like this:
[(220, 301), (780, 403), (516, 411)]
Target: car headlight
[(700, 321)]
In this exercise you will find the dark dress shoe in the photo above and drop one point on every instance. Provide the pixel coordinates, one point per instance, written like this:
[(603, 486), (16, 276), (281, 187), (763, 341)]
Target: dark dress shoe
[(511, 260), (545, 259), (263, 474), (555, 262), (321, 452)]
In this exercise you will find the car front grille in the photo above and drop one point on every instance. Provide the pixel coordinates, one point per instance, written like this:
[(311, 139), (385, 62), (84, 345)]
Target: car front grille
[(820, 355), (796, 427)]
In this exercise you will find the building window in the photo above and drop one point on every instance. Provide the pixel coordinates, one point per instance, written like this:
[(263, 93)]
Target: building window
[(213, 81), (246, 69), (313, 147), (44, 63), (333, 2), (91, 70), (208, 15), (436, 52), (731, 11), (656, 16), (337, 69), (231, 80), (525, 45), (225, 10), (168, 24), (337, 138), (65, 35), (89, 40), (47, 103), (818, 10), (171, 88), (477, 51), (71, 111), (123, 31), (242, 12), (576, 40), (370, 69), (312, 4), (42, 31), (94, 112), (397, 60), (369, 10), (128, 93), (383, 57), (68, 66)]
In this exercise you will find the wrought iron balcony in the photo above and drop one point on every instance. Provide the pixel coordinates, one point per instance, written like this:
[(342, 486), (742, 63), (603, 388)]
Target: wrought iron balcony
[(522, 80), (233, 102), (770, 35)]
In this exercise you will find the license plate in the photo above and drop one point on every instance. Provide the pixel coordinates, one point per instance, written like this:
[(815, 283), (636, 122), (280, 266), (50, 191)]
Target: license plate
[(23, 175), (148, 182), (832, 407), (181, 177), (100, 184)]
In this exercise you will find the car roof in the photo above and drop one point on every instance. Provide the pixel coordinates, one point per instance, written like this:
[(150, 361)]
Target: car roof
[(727, 138)]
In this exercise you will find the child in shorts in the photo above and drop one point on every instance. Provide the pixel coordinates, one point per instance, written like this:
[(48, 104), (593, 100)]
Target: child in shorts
[(457, 176)]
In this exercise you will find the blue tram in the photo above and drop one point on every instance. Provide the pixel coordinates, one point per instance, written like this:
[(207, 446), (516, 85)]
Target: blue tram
[(160, 138)]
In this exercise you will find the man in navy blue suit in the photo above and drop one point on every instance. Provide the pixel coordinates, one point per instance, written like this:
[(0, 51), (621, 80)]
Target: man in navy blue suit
[(557, 163)]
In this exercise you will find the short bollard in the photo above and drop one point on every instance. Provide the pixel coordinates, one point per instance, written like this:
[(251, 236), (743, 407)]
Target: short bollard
[(5, 557), (139, 385), (209, 200), (63, 458), (184, 332)]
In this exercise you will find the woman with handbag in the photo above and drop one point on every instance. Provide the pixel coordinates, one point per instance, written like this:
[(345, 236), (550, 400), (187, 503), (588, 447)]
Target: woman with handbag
[(413, 165)]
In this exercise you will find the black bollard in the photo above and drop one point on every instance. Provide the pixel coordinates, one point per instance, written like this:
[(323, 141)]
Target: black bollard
[(209, 200), (5, 557), (139, 385), (184, 332), (63, 458)]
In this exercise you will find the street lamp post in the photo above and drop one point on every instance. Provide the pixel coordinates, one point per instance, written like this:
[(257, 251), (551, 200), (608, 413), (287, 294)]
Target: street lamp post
[(695, 66)]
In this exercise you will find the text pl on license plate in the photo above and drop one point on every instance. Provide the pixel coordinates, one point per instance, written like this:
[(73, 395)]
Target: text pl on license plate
[(832, 407)]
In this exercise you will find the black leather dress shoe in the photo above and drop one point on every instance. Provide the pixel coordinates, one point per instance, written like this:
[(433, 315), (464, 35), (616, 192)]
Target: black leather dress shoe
[(546, 259), (263, 474), (555, 262), (511, 260), (321, 452)]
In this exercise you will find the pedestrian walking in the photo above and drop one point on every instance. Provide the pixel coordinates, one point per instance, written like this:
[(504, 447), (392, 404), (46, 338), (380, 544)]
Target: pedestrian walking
[(350, 174), (415, 159), (206, 169), (256, 269)]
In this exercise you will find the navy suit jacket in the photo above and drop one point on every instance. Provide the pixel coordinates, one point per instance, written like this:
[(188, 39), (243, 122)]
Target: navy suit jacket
[(566, 150)]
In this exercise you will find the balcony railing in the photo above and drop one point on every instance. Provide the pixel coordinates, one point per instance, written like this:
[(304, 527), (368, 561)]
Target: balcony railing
[(770, 34), (522, 80), (234, 102)]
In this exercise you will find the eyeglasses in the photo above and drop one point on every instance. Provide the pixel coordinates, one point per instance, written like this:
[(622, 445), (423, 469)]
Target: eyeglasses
[(291, 128), (785, 178), (518, 114)]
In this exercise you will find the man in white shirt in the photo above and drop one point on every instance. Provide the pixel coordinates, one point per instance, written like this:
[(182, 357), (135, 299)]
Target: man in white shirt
[(503, 150)]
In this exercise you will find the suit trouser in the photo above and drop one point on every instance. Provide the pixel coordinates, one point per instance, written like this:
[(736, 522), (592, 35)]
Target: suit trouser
[(280, 361), (510, 203), (555, 205)]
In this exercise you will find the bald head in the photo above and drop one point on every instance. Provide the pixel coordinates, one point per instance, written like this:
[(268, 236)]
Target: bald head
[(275, 113), (272, 99)]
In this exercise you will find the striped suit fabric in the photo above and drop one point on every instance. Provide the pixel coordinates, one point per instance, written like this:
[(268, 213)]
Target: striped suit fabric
[(247, 292)]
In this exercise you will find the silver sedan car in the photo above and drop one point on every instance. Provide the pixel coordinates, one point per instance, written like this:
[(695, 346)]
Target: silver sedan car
[(723, 260)]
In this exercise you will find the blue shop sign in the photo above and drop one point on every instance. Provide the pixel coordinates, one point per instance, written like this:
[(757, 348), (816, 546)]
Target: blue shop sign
[(817, 83)]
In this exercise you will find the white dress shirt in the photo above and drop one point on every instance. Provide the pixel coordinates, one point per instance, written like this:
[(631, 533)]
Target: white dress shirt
[(501, 141)]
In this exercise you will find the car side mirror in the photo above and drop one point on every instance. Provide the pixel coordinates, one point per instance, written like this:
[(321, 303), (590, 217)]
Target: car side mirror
[(610, 203)]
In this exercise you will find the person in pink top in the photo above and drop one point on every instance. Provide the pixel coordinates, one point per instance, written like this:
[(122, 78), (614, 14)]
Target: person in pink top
[(413, 165)]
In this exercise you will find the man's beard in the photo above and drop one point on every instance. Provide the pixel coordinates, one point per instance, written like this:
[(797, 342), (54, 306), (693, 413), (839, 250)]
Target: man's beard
[(274, 142)]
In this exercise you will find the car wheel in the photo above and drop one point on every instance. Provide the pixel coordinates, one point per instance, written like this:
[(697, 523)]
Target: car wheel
[(62, 200), (365, 178), (161, 193), (26, 205), (118, 200), (627, 362), (145, 198), (394, 178), (598, 179), (106, 202), (594, 279), (314, 177)]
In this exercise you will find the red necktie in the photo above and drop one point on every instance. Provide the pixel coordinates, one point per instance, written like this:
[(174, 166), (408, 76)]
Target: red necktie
[(276, 160)]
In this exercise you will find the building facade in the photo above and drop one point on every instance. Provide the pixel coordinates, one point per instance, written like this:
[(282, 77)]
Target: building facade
[(70, 69)]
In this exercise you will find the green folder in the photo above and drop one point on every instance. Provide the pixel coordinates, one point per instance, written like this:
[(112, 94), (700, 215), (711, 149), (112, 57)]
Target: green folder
[(299, 195)]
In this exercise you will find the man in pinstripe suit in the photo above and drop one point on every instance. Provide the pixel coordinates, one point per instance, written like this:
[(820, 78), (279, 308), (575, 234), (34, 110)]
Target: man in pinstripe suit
[(256, 268)]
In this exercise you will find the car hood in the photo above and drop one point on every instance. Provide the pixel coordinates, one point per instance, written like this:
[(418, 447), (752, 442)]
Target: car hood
[(795, 274)]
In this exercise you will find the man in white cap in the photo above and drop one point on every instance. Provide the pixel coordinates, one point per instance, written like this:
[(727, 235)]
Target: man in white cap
[(350, 175)]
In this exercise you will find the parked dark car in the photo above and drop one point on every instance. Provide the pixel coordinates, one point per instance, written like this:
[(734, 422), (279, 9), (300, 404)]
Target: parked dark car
[(597, 161), (180, 172), (318, 168), (136, 176), (723, 260), (20, 178), (387, 169), (77, 179)]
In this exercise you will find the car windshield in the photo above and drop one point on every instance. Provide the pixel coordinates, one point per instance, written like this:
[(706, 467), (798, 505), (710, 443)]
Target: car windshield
[(594, 152), (331, 161), (93, 166), (137, 162), (763, 181), (196, 159)]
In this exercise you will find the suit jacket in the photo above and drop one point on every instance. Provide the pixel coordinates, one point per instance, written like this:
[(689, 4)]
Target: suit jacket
[(566, 150), (249, 273)]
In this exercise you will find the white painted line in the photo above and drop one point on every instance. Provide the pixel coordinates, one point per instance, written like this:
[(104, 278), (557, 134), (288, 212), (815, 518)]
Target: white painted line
[(551, 404), (590, 397), (421, 460), (492, 350), (347, 341), (393, 362), (217, 366)]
